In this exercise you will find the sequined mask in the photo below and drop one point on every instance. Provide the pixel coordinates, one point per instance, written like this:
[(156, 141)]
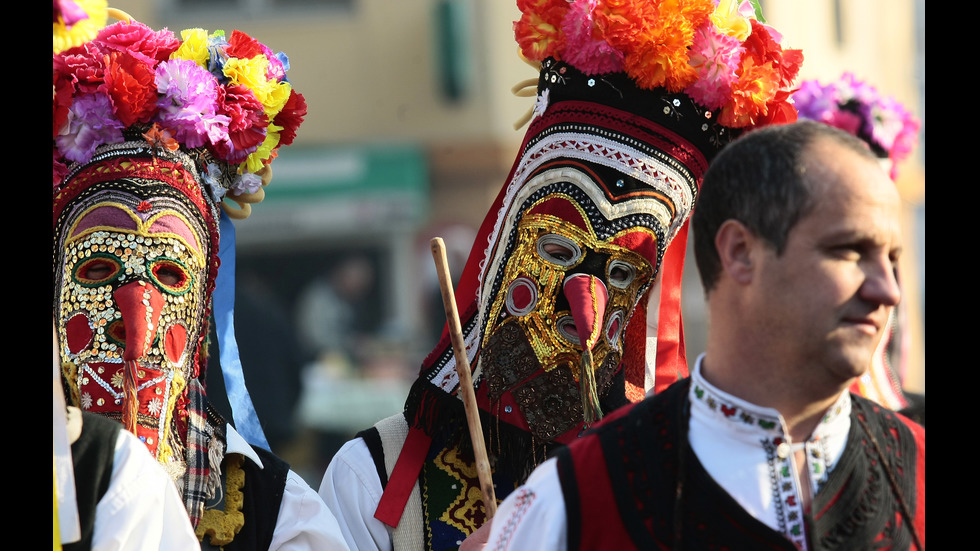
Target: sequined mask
[(576, 270), (132, 265)]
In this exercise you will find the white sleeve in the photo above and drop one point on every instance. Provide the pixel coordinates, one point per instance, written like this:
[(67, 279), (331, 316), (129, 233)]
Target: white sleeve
[(141, 509), (304, 522), (351, 489), (533, 515)]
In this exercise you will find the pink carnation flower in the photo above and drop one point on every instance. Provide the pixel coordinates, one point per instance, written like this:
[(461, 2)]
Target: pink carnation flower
[(589, 55), (139, 40), (715, 56)]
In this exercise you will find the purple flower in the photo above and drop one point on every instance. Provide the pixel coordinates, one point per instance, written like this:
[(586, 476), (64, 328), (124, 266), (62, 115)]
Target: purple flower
[(246, 183), (815, 101), (91, 123), (187, 103), (70, 12), (857, 107)]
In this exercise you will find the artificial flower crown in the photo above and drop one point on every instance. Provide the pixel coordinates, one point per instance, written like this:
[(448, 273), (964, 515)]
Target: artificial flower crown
[(723, 57), (857, 107), (224, 99)]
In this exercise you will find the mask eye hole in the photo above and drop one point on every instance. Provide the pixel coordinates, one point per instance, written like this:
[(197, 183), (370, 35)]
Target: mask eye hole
[(559, 250), (97, 270), (621, 274), (171, 275)]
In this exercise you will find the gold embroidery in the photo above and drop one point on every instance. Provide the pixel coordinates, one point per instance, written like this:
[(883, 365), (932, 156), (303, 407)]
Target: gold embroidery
[(467, 512), (220, 525)]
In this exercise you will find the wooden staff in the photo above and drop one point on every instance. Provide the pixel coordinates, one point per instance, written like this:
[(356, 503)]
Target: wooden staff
[(465, 379)]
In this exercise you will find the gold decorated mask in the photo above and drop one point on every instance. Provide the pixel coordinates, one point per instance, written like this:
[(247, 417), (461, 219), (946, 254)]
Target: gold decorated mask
[(573, 276)]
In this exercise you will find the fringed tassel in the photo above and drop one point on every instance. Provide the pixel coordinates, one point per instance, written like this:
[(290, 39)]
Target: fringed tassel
[(130, 401), (591, 409), (216, 453)]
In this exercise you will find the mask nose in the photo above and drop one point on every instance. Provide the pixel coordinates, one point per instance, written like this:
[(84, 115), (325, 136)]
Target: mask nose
[(587, 297), (140, 305)]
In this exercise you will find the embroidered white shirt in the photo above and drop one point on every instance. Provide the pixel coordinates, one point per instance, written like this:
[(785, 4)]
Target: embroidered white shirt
[(744, 447), (747, 450)]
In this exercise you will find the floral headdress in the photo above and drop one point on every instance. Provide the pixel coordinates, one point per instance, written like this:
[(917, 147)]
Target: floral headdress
[(724, 57), (857, 107), (223, 99)]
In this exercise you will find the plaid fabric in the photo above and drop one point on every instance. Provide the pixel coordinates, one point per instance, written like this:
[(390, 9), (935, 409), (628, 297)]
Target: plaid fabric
[(199, 436)]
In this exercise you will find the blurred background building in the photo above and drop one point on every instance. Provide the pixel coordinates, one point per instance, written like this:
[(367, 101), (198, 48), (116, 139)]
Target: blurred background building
[(410, 135)]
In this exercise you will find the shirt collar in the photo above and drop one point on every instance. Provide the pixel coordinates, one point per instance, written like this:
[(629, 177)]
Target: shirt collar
[(236, 444), (717, 406)]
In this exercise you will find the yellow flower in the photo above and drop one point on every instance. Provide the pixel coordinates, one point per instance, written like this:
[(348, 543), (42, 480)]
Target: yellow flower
[(251, 74), (256, 160), (84, 30), (728, 19), (194, 47), (277, 98)]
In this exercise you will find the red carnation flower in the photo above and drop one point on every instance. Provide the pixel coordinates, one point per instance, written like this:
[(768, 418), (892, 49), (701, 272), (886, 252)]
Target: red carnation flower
[(781, 111), (243, 46), (764, 48), (131, 85), (58, 169), (85, 64), (247, 128), (63, 91), (290, 117)]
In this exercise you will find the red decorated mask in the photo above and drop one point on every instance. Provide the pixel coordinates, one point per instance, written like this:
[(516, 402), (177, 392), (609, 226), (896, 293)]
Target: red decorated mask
[(132, 263)]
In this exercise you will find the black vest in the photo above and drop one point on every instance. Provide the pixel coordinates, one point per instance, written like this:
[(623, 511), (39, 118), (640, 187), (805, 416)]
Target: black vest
[(92, 458), (261, 499), (659, 496)]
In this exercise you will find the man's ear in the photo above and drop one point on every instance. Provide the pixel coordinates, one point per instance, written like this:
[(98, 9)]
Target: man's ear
[(734, 242)]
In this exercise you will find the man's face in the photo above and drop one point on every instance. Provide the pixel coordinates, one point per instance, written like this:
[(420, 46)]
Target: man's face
[(827, 298), (132, 278)]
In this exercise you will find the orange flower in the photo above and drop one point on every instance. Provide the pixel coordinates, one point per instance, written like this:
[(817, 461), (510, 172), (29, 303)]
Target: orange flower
[(538, 32), (756, 86), (158, 137), (131, 85), (656, 38)]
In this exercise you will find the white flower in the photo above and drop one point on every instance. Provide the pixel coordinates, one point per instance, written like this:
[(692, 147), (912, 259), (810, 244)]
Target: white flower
[(86, 400), (155, 406), (211, 176), (541, 103), (247, 183)]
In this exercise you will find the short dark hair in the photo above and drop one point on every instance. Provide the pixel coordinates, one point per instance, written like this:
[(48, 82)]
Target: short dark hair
[(760, 181)]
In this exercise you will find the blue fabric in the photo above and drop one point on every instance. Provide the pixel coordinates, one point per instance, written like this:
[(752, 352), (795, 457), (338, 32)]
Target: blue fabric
[(242, 411)]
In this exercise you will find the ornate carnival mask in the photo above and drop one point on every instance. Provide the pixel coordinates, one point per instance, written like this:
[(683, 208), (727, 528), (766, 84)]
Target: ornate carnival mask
[(583, 250), (132, 261)]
